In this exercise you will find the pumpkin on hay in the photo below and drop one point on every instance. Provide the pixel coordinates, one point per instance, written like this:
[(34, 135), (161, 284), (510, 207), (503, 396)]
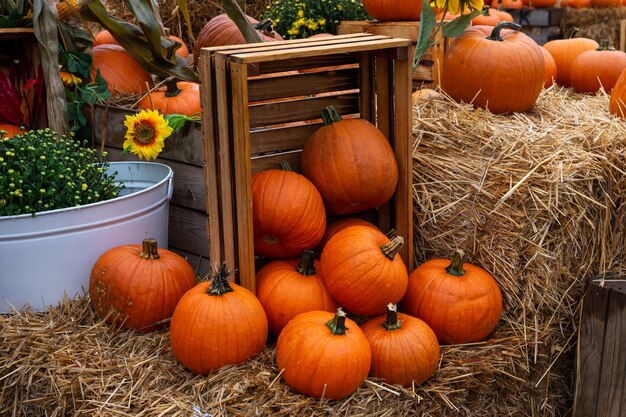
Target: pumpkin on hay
[(138, 286), (404, 349), (597, 68), (494, 68), (461, 302), (549, 67), (564, 52), (289, 287), (180, 97), (121, 71), (393, 10), (321, 354), (11, 130), (217, 323), (617, 102)]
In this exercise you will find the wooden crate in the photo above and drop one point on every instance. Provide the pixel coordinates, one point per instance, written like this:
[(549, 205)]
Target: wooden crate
[(622, 35), (601, 373), (244, 117), (184, 153), (542, 25), (428, 72)]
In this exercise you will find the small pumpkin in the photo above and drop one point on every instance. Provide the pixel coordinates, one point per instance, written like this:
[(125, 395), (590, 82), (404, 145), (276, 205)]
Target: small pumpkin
[(549, 67), (288, 213), (461, 302), (494, 68), (490, 19), (217, 323), (120, 70), (540, 4), (11, 130), (351, 163), (393, 10), (597, 68), (404, 349), (564, 52), (104, 37), (424, 94), (576, 4), (138, 286), (508, 4), (321, 354), (606, 3), (617, 102), (289, 287), (363, 271), (175, 97)]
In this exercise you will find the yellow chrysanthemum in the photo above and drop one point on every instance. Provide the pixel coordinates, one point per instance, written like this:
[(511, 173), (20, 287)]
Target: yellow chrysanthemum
[(69, 79), (146, 133)]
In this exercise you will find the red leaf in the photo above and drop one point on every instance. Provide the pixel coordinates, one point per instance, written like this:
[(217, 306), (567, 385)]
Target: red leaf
[(9, 102)]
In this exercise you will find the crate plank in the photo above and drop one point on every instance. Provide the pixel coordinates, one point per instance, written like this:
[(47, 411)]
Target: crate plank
[(200, 264), (264, 162), (283, 138), (188, 230)]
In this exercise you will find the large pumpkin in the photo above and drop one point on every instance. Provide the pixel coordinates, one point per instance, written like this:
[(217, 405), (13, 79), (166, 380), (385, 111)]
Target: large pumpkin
[(340, 224), (617, 102), (494, 68), (404, 349), (393, 10), (138, 286), (351, 163), (564, 52), (460, 302), (363, 271), (176, 97), (120, 70), (321, 354), (549, 67), (288, 214), (217, 323), (289, 287), (597, 68), (11, 130)]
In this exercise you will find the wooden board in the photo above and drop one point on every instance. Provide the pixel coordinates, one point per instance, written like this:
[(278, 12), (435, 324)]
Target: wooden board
[(622, 35)]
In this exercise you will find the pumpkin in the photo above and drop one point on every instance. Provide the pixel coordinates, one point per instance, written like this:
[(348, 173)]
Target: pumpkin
[(494, 68), (120, 70), (183, 51), (351, 163), (175, 97), (617, 102), (606, 3), (490, 19), (221, 30), (104, 37), (597, 68), (461, 302), (549, 67), (505, 16), (340, 224), (217, 323), (542, 3), (508, 4), (11, 130), (404, 349), (138, 286), (321, 354), (289, 287), (424, 94), (393, 10), (564, 52), (288, 213), (363, 271), (576, 4)]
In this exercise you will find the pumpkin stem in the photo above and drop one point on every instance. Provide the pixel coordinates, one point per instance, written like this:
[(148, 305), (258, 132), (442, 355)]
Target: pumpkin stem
[(392, 322), (337, 325), (391, 249), (605, 45), (265, 27), (284, 165), (220, 284), (149, 249), (172, 88), (306, 266), (456, 266), (330, 115), (574, 31), (495, 33), (392, 233)]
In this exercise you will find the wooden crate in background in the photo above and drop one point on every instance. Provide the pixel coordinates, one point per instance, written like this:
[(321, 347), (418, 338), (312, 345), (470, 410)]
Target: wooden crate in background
[(428, 72), (542, 25), (252, 123), (622, 35)]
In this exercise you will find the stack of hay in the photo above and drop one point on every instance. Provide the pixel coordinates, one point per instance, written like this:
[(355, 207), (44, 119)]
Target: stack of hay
[(594, 23), (537, 199)]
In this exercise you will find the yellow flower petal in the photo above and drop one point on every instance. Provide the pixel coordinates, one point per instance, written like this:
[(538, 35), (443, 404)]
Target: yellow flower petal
[(146, 133)]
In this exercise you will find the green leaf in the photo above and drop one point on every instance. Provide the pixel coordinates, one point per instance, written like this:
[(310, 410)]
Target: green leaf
[(455, 27), (177, 121), (428, 22), (184, 10)]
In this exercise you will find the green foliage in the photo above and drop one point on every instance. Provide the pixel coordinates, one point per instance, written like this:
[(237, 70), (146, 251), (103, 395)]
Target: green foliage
[(15, 13), (40, 173), (302, 18)]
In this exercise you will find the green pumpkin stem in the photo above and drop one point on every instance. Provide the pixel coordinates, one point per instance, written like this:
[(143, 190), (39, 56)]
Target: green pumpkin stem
[(456, 266), (391, 249), (149, 249), (392, 233), (337, 325), (495, 33), (330, 115), (220, 284), (574, 31), (392, 322), (605, 45), (172, 88), (284, 165), (306, 266), (265, 27)]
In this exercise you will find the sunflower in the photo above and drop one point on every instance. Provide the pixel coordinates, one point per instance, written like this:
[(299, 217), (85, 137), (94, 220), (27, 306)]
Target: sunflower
[(457, 6), (69, 79), (146, 132)]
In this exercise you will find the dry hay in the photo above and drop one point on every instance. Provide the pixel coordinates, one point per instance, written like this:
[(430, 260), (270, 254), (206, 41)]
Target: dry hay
[(537, 199), (594, 23)]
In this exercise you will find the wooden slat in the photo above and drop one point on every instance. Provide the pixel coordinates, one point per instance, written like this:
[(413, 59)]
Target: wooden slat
[(262, 163), (282, 138), (188, 230), (366, 84), (311, 63), (622, 35)]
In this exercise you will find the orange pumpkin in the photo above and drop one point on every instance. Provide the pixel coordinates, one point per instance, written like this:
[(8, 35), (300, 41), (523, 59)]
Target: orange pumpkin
[(404, 349), (423, 94), (176, 97), (460, 302), (138, 286), (104, 37), (120, 70), (617, 102), (363, 271), (183, 51), (542, 3), (606, 3), (576, 4), (393, 10), (11, 130), (505, 16), (289, 287), (494, 68), (321, 354), (597, 68), (491, 19), (549, 66), (508, 4), (351, 163), (564, 52), (217, 323), (288, 214), (340, 224)]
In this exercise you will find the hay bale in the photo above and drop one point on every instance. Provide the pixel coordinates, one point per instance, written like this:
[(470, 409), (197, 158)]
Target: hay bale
[(594, 23)]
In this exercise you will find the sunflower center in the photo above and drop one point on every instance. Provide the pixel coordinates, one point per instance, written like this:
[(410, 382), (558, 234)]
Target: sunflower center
[(145, 133)]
